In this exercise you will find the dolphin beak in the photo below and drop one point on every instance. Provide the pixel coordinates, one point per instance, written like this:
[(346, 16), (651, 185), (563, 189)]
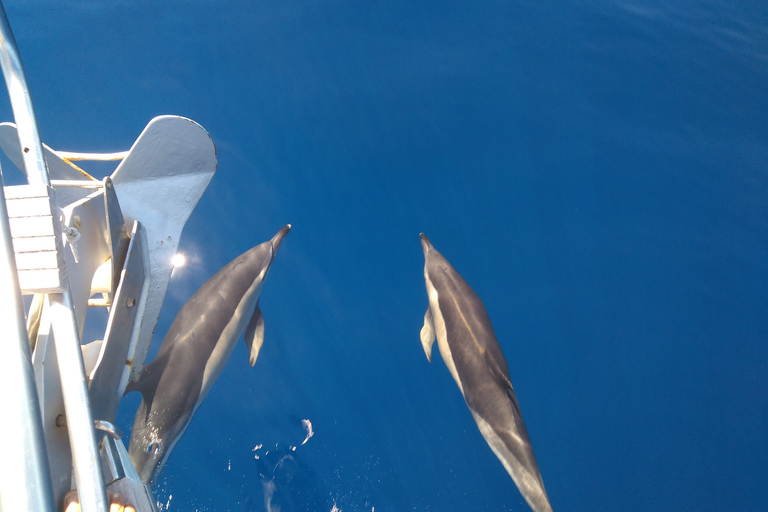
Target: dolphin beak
[(425, 244), (278, 238)]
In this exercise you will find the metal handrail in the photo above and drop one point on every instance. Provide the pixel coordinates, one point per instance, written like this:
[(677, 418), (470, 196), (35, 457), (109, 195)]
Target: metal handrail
[(21, 103), (25, 478), (36, 485)]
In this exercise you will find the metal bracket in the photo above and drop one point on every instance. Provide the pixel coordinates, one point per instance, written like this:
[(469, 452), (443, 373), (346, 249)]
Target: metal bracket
[(115, 359)]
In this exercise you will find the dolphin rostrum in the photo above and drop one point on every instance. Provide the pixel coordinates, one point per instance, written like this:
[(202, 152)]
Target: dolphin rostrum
[(195, 351), (457, 317)]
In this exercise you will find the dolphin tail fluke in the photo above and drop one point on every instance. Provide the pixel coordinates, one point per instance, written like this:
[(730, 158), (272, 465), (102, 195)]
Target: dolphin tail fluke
[(516, 444), (254, 335), (513, 449)]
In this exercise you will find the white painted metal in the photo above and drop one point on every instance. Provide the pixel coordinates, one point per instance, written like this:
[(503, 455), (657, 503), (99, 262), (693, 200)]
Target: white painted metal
[(91, 488), (48, 383), (58, 169), (159, 184), (24, 473), (121, 476), (124, 317), (87, 216), (65, 234), (36, 230)]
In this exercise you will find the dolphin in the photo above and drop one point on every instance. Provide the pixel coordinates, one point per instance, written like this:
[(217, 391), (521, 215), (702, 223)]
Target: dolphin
[(194, 352), (457, 318)]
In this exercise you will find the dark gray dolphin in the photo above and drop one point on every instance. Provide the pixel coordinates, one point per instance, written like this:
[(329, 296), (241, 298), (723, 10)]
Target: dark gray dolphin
[(457, 317), (195, 351)]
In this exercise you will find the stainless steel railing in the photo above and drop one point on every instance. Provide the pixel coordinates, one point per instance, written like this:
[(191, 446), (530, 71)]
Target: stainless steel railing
[(25, 480)]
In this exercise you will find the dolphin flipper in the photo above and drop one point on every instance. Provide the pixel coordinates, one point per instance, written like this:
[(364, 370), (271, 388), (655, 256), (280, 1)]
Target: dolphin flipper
[(428, 334), (254, 335)]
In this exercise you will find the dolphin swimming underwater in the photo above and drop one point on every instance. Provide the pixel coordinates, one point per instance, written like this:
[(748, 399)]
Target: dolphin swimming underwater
[(457, 317), (195, 351)]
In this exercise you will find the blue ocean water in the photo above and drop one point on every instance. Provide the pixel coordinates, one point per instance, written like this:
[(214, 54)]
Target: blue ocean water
[(595, 170)]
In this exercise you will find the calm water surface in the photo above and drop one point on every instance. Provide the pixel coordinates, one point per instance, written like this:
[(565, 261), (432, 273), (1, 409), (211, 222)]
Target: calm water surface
[(595, 170)]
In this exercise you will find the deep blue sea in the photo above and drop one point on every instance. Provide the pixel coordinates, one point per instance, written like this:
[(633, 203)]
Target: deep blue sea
[(597, 171)]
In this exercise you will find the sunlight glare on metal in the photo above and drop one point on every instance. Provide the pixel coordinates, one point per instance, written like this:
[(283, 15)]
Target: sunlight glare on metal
[(178, 260)]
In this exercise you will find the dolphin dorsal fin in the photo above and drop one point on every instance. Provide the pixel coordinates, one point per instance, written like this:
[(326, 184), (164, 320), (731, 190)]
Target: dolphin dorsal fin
[(428, 334), (254, 335), (147, 384)]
